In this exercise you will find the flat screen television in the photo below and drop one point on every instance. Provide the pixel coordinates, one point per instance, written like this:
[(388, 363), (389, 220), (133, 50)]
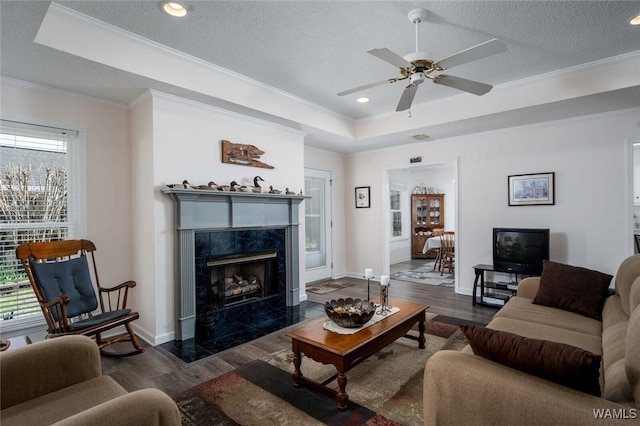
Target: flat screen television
[(520, 250)]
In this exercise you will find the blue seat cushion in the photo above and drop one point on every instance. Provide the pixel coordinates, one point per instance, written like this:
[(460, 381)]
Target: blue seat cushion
[(71, 278), (98, 319)]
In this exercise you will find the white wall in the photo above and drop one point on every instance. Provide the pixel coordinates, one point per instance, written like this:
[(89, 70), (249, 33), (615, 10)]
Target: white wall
[(108, 168), (319, 159), (587, 223), (153, 305)]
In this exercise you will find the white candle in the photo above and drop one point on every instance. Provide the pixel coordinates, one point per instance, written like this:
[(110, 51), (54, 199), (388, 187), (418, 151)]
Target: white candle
[(384, 280), (368, 273)]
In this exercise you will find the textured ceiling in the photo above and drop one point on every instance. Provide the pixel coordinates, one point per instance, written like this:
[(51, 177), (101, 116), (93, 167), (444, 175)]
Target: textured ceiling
[(313, 49)]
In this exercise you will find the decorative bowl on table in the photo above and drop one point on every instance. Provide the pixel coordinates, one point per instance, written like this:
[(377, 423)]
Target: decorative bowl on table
[(349, 313)]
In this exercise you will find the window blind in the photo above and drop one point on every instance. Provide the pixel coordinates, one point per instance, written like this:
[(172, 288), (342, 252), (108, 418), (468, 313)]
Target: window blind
[(34, 204)]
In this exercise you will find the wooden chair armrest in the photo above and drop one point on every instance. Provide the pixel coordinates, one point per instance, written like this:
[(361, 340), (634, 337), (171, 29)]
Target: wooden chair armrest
[(62, 300), (55, 308), (129, 284), (117, 300)]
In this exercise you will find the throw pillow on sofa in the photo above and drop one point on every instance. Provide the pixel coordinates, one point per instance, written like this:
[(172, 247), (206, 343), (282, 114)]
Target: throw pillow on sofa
[(563, 364), (573, 289)]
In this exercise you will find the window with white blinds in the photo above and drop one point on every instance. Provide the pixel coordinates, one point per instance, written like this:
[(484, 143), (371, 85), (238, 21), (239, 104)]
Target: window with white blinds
[(36, 204)]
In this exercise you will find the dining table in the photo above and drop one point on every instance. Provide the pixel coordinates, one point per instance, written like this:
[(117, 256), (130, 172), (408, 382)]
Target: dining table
[(432, 243)]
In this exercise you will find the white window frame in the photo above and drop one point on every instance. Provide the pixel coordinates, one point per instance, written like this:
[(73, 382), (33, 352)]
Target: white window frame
[(76, 195), (404, 210)]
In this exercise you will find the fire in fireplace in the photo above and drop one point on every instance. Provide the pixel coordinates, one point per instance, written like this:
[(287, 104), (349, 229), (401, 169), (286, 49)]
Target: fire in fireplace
[(242, 278)]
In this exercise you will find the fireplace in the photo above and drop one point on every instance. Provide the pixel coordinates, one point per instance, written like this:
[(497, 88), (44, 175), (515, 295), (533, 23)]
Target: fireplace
[(239, 275), (215, 229), (242, 278)]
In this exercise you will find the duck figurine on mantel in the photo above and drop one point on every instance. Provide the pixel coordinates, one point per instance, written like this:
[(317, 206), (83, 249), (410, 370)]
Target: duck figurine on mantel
[(184, 185), (211, 186), (274, 191), (256, 186), (235, 186)]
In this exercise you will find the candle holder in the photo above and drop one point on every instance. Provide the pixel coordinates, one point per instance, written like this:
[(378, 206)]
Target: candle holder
[(384, 300), (368, 287), (368, 274)]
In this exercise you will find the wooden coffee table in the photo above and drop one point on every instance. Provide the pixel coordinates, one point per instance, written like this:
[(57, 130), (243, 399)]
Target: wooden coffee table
[(348, 350)]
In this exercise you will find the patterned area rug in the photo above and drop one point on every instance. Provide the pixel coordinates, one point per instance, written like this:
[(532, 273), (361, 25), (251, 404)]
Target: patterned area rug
[(386, 389), (327, 286), (425, 275)]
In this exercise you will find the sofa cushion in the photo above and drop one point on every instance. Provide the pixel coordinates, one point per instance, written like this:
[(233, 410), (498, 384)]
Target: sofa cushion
[(588, 342), (573, 288), (563, 364), (521, 308)]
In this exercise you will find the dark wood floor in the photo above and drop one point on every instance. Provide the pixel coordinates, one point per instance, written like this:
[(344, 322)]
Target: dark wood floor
[(158, 368)]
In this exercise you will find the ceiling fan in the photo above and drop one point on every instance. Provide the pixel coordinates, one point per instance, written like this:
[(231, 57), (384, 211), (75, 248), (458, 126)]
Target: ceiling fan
[(415, 67)]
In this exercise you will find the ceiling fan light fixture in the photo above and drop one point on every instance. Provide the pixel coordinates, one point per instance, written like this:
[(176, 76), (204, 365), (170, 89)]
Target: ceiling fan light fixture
[(175, 9), (362, 100), (417, 78), (635, 20)]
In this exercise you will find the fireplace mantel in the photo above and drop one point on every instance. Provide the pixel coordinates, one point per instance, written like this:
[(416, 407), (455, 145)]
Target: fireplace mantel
[(218, 210)]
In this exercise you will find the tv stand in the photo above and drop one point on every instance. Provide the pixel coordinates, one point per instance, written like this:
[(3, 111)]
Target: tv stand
[(492, 294)]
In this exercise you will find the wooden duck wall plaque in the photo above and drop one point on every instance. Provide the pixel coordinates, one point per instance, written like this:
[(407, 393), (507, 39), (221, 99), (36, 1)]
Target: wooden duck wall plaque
[(242, 155)]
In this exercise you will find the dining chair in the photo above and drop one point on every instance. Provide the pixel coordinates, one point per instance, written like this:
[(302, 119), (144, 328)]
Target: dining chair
[(447, 240), (438, 262)]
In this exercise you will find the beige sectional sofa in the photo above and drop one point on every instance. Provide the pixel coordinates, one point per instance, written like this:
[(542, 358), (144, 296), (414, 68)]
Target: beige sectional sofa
[(463, 388), (59, 381)]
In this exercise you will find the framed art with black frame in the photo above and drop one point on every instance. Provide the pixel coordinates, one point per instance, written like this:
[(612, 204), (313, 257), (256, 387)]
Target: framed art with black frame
[(534, 189), (363, 197)]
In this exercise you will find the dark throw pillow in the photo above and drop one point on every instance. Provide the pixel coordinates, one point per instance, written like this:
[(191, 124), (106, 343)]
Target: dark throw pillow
[(572, 288), (563, 364)]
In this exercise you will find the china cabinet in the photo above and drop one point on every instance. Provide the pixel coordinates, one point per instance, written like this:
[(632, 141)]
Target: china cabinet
[(427, 215)]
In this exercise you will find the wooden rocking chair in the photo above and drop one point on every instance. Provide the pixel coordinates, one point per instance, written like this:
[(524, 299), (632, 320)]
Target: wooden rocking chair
[(60, 276)]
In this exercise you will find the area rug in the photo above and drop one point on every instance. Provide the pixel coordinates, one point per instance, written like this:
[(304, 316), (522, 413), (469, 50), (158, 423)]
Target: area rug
[(425, 275), (386, 389), (327, 286)]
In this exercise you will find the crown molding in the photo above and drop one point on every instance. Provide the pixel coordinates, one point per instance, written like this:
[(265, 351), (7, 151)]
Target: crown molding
[(60, 92)]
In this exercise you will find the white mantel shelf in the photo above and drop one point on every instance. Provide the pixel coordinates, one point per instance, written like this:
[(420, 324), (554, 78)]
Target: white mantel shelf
[(203, 209)]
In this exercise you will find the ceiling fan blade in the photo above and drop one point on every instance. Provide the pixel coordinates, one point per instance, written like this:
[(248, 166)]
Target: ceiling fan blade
[(407, 97), (390, 57), (479, 51), (366, 86), (463, 84)]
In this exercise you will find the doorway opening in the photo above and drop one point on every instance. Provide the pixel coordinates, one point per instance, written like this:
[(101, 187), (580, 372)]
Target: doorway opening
[(421, 203)]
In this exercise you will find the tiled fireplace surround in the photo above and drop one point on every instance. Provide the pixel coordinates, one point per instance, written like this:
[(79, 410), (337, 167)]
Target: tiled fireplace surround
[(213, 224)]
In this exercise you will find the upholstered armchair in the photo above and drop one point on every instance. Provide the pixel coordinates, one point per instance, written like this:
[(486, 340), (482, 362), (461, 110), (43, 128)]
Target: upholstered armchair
[(60, 381)]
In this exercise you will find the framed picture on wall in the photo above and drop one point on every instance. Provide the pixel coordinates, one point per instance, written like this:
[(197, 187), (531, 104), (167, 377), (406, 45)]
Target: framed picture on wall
[(363, 194), (534, 189)]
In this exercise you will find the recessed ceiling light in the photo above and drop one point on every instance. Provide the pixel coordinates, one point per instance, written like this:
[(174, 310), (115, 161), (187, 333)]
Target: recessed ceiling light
[(175, 9), (635, 21), (363, 100)]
